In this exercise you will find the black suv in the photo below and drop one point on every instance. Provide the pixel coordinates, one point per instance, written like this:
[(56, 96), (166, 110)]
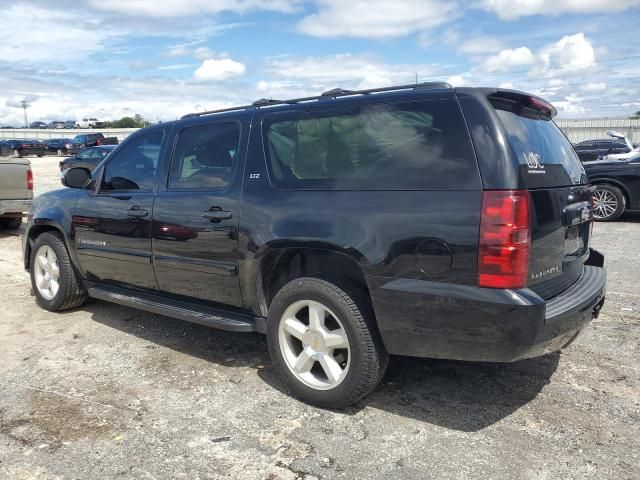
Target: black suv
[(591, 150), (419, 220)]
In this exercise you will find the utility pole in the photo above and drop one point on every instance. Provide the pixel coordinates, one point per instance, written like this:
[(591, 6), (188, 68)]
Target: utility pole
[(24, 104)]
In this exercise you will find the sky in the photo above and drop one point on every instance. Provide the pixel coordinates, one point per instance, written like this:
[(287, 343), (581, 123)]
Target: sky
[(164, 58)]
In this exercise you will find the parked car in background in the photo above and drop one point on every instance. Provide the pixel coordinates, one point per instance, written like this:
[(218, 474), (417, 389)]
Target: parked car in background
[(16, 191), (38, 125), (617, 183), (421, 220), (591, 150), (88, 158), (62, 146), (56, 124), (70, 124), (21, 148), (89, 123), (95, 139)]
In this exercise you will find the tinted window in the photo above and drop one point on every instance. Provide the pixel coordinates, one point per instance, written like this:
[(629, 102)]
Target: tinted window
[(546, 156), (134, 166), (403, 146), (205, 157)]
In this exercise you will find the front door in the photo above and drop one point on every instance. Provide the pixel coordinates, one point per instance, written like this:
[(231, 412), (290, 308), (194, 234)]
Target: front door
[(112, 223), (195, 218)]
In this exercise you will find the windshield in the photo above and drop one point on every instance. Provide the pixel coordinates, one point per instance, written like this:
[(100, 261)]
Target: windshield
[(546, 157)]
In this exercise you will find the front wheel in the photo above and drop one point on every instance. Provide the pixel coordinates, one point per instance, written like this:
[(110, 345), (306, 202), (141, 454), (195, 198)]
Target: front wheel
[(16, 153), (54, 281), (59, 152), (324, 343), (608, 203)]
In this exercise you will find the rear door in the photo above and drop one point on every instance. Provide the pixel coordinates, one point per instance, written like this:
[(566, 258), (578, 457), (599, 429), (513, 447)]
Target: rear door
[(561, 212), (195, 215)]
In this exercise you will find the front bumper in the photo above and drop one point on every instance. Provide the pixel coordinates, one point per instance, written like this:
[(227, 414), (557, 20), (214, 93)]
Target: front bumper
[(460, 322), (14, 206)]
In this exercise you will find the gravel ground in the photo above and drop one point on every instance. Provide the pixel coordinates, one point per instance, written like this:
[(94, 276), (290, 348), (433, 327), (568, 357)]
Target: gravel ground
[(110, 392)]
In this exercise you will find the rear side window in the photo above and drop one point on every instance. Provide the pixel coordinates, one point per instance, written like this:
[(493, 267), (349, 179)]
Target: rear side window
[(403, 146), (546, 157), (205, 157)]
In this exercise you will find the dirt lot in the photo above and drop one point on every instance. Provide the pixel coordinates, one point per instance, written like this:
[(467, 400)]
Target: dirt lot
[(110, 392)]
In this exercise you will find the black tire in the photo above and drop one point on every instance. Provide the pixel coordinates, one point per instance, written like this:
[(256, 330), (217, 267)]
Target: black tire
[(606, 190), (16, 153), (71, 293), (11, 223), (368, 357), (59, 152)]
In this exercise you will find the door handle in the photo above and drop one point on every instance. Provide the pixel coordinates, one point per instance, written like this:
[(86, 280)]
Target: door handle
[(215, 214), (136, 212)]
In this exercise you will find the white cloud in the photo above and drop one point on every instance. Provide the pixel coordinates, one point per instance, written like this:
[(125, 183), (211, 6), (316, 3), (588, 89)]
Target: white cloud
[(177, 51), (513, 9), (348, 70), (185, 8), (203, 53), (509, 58), (457, 81), (567, 56), (571, 106), (572, 52), (218, 69), (36, 34), (594, 87), (377, 18), (480, 45)]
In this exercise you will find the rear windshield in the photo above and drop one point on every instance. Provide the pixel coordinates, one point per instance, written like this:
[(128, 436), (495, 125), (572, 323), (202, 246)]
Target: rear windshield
[(404, 146), (546, 157)]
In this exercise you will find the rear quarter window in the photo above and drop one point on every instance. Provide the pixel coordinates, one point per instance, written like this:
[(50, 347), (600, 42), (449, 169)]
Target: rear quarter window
[(546, 157), (402, 146)]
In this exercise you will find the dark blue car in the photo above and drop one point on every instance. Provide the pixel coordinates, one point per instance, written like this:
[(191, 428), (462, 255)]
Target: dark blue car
[(20, 148), (62, 146)]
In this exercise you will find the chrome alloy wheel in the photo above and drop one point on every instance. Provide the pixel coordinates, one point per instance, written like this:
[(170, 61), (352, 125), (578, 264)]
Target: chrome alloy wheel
[(314, 345), (605, 203), (47, 272)]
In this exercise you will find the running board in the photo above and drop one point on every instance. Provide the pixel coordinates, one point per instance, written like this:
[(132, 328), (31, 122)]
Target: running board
[(189, 312)]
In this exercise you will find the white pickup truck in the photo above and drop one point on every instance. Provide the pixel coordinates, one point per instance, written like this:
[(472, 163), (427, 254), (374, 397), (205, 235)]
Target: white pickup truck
[(16, 191)]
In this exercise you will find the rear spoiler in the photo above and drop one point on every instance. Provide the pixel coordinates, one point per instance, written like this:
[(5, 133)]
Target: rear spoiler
[(522, 103)]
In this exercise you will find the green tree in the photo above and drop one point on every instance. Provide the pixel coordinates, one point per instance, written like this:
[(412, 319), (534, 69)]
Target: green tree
[(635, 116), (127, 122)]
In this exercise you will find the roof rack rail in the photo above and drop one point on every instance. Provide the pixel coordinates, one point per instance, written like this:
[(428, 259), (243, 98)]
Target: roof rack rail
[(334, 93)]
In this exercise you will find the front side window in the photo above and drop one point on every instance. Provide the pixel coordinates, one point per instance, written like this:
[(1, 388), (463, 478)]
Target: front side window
[(134, 166), (403, 146), (205, 157)]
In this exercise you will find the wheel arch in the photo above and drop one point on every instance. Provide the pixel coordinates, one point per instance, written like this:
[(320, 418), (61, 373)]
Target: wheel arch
[(38, 229), (278, 266), (614, 183)]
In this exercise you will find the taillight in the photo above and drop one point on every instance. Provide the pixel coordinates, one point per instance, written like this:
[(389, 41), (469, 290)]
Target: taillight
[(29, 179), (98, 142), (505, 239)]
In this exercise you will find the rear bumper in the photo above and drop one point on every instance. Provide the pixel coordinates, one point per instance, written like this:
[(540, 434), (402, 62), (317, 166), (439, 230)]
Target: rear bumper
[(14, 206), (459, 322)]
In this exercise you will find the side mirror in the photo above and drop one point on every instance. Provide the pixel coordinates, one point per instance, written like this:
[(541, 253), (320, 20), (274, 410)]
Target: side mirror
[(76, 177)]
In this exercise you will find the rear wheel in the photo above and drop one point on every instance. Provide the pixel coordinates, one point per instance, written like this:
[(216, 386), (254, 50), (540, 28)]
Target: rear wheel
[(16, 153), (54, 281), (321, 344), (59, 152), (609, 203)]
